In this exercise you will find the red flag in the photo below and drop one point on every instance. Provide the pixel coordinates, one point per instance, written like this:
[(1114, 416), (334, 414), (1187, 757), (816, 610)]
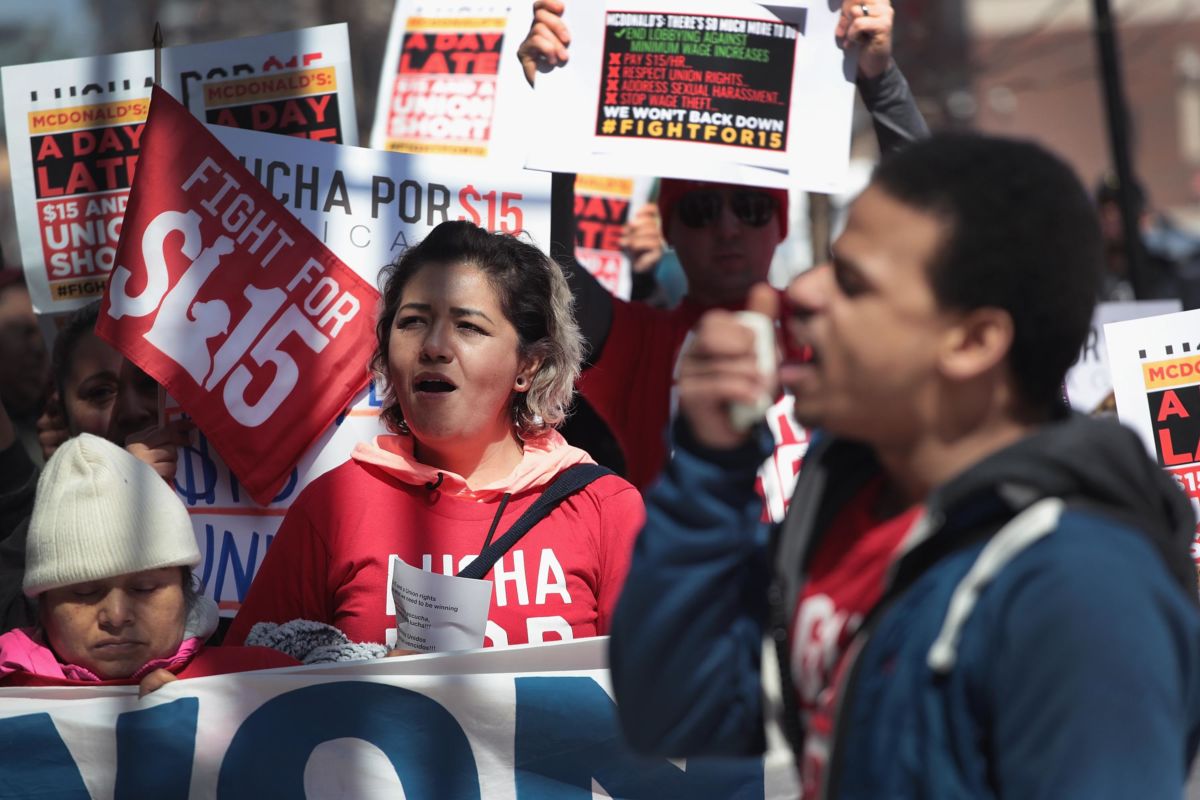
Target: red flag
[(257, 329)]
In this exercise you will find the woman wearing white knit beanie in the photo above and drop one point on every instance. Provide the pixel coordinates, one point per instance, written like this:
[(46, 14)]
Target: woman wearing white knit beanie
[(109, 559)]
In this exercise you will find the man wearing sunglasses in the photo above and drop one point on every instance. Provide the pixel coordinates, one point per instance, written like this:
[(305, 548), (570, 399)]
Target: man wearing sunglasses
[(725, 237)]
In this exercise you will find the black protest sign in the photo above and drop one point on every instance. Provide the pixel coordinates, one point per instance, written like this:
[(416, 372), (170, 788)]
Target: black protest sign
[(312, 117), (697, 78), (1176, 418), (86, 161)]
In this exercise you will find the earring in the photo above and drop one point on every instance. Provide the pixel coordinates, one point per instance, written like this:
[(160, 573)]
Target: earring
[(520, 382)]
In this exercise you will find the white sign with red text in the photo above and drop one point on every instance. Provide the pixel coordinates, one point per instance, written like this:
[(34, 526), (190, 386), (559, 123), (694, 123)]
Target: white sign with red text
[(368, 205), (297, 83), (451, 83), (74, 131), (1089, 384), (1155, 365)]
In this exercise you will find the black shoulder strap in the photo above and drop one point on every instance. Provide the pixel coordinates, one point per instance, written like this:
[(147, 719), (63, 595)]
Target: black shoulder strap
[(571, 480)]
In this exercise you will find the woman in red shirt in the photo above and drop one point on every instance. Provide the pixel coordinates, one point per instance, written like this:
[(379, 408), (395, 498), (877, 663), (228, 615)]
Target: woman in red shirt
[(478, 349)]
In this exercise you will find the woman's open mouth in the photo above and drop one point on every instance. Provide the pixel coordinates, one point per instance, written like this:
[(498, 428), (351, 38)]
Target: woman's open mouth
[(433, 384)]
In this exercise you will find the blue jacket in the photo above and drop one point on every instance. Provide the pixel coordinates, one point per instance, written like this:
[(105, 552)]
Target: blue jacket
[(1038, 638)]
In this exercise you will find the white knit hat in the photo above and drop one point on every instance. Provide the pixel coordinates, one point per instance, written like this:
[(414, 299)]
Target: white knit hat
[(99, 513)]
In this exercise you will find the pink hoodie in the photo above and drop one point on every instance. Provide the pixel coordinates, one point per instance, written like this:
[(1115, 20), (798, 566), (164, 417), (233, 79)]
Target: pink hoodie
[(330, 559), (545, 457), (25, 650)]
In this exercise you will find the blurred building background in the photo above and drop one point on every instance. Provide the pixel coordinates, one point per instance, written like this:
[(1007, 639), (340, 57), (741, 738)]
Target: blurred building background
[(1029, 68), (1034, 73)]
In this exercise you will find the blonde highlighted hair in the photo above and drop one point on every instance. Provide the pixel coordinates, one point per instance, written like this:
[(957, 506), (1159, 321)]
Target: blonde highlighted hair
[(534, 297)]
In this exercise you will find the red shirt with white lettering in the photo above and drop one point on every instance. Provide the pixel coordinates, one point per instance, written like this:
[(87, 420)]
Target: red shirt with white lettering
[(330, 560), (847, 575)]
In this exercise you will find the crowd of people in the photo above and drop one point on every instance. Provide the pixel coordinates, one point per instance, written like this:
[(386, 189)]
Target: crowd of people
[(968, 592)]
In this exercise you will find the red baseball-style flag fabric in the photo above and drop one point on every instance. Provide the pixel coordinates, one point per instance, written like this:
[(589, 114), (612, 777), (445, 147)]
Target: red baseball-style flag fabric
[(257, 329)]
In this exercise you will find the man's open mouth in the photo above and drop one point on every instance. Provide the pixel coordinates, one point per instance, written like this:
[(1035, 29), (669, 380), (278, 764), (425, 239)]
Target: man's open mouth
[(798, 352)]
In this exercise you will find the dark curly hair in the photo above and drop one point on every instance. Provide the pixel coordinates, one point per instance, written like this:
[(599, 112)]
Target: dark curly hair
[(1023, 237)]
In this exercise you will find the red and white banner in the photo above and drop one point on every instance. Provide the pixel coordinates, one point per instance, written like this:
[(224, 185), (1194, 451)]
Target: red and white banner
[(232, 304)]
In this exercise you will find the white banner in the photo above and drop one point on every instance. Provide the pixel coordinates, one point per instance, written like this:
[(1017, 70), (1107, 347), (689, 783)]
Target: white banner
[(1089, 382), (722, 90), (451, 83), (1155, 366), (367, 206), (527, 722), (74, 132)]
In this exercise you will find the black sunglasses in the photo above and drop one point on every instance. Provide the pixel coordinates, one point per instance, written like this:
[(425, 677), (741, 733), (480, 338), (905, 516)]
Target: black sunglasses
[(701, 208)]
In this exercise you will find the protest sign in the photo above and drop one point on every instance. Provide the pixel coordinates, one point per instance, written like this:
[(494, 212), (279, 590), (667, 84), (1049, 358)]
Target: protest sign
[(437, 613), (366, 206), (523, 722), (722, 91), (74, 134), (73, 144), (295, 82), (1155, 366), (451, 83), (1089, 382), (603, 206), (209, 255)]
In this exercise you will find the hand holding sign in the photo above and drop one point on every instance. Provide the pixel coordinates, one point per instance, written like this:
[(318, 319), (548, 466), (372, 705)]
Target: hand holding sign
[(545, 47), (642, 239), (868, 25), (159, 446)]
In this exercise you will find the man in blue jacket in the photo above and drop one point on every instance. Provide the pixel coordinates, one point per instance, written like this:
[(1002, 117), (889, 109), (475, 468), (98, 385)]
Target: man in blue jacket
[(974, 594)]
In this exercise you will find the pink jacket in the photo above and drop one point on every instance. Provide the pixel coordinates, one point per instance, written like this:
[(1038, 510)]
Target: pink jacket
[(27, 660), (25, 650)]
